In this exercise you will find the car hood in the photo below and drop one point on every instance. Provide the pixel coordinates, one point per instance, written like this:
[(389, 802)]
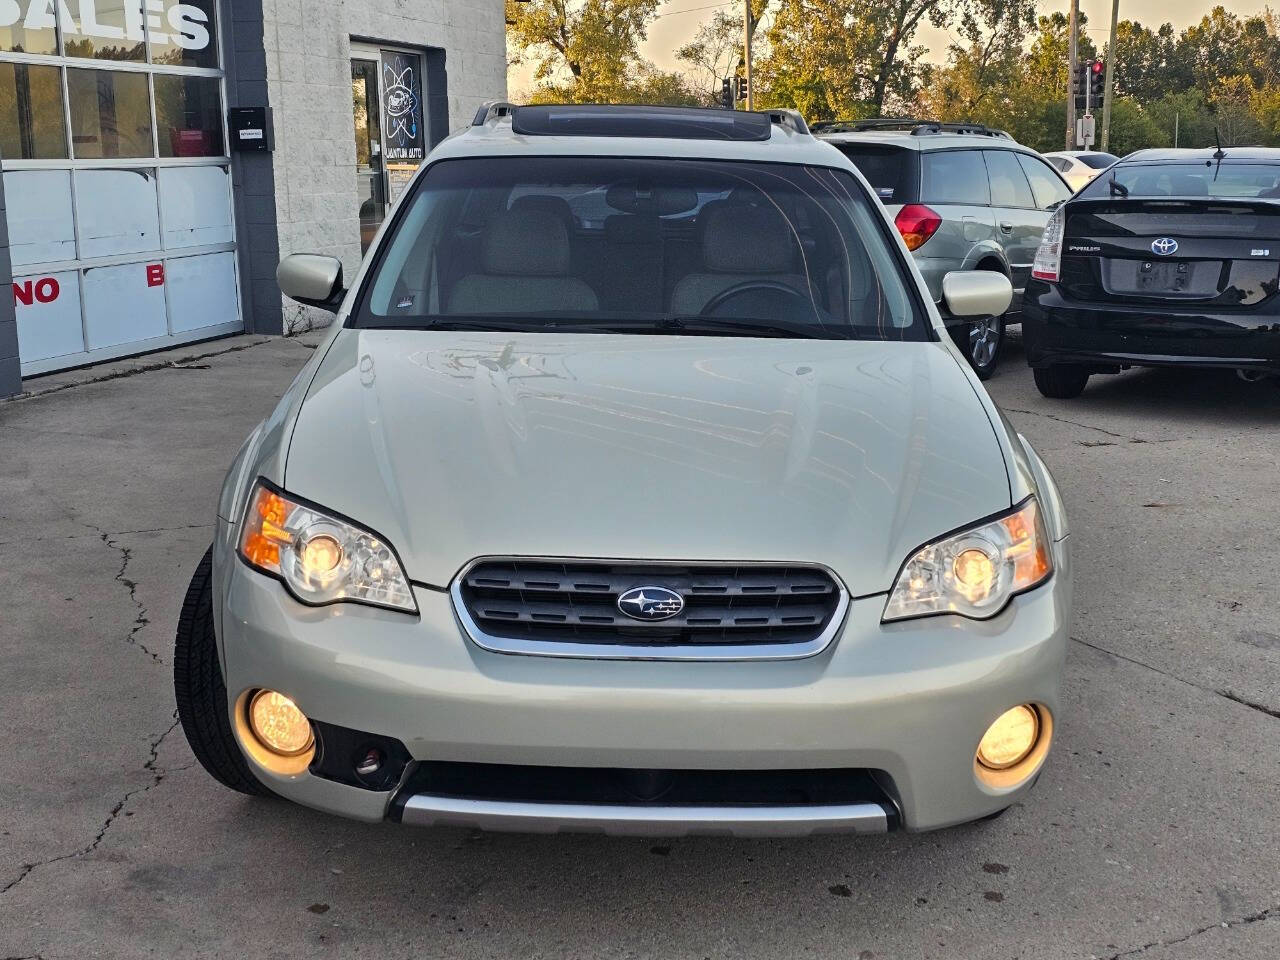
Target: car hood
[(455, 445)]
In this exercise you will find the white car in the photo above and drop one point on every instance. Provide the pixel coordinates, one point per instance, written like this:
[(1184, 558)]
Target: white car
[(637, 489), (1078, 167)]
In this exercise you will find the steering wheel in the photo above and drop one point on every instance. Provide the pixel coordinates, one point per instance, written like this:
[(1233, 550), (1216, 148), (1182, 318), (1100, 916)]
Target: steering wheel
[(774, 297)]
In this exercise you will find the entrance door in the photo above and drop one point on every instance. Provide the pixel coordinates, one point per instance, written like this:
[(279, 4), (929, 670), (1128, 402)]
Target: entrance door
[(390, 128), (371, 175)]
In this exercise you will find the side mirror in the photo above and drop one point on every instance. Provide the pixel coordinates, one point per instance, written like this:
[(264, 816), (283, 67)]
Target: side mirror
[(976, 293), (312, 279)]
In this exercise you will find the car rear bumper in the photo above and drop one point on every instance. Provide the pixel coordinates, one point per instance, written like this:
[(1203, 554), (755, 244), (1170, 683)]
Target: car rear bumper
[(906, 702), (1108, 336)]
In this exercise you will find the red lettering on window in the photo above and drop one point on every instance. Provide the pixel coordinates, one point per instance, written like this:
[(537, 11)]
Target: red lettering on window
[(44, 290), (47, 289), (155, 274)]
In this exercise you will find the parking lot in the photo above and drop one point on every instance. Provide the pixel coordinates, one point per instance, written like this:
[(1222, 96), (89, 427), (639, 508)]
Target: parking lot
[(1154, 832)]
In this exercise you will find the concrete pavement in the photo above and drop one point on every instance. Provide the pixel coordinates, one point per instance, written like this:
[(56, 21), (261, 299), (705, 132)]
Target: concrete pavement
[(1155, 831)]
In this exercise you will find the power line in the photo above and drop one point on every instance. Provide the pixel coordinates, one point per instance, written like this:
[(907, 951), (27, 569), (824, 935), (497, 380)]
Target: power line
[(710, 6)]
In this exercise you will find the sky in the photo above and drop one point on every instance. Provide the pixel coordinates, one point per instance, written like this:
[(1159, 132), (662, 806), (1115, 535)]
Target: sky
[(680, 20)]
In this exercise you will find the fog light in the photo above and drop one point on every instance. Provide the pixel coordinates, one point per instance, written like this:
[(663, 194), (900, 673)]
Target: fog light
[(278, 724), (1010, 739)]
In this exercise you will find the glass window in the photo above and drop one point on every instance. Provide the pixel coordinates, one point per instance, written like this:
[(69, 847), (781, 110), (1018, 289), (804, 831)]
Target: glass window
[(1047, 186), (1188, 179), (188, 116), (1009, 187), (110, 114), (32, 126), (891, 171), (1099, 161), (955, 176), (33, 32), (790, 251), (183, 34), (108, 30)]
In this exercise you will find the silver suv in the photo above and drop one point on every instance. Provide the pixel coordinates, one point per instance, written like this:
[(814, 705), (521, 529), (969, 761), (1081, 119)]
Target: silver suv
[(964, 197), (675, 516)]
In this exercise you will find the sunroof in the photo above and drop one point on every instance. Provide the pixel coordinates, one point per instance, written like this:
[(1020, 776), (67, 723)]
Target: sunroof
[(679, 123)]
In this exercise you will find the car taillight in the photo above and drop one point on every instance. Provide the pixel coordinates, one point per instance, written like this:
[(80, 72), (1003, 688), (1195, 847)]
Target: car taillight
[(917, 223), (1048, 262)]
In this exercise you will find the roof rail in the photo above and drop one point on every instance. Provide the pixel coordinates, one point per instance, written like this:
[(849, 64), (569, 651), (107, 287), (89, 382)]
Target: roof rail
[(492, 109), (790, 119), (917, 128)]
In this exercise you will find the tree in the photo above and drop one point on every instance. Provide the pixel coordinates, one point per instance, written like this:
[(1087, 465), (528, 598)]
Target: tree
[(587, 51), (1233, 115), (713, 54), (836, 59), (1187, 113), (1132, 128), (1146, 67), (982, 70)]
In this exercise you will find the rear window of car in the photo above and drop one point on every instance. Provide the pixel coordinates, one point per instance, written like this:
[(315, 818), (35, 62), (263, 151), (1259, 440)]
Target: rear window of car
[(954, 176), (891, 171), (1200, 178), (1099, 161), (643, 245)]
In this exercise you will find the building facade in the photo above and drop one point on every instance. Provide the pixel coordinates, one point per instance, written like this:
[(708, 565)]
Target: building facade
[(160, 157)]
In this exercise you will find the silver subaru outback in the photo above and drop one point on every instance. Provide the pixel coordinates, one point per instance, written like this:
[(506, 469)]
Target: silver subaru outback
[(636, 489), (964, 197)]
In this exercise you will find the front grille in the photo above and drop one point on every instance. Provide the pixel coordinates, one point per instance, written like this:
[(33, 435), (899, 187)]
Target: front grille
[(576, 602)]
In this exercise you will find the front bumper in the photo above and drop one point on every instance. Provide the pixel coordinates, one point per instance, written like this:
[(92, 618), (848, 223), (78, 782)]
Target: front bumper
[(909, 701), (1106, 337)]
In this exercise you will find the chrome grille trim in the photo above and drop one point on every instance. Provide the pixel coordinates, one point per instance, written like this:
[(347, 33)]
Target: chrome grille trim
[(790, 650)]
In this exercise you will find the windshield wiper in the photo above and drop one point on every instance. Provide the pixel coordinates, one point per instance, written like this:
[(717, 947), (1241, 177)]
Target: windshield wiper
[(694, 325)]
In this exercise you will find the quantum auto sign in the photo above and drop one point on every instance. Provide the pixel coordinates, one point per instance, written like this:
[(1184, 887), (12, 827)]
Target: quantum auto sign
[(186, 25)]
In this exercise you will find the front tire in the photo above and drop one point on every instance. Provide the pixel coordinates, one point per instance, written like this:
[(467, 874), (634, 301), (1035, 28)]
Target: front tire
[(1061, 381), (200, 692), (980, 341)]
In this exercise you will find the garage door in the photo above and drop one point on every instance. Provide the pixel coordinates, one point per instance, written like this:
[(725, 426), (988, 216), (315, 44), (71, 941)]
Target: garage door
[(117, 180)]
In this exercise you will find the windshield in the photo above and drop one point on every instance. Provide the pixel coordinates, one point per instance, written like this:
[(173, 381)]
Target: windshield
[(1192, 178), (604, 244)]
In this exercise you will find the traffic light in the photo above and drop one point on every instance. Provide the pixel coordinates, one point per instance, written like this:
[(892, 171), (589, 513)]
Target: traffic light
[(726, 93), (1097, 81), (742, 88), (1080, 84)]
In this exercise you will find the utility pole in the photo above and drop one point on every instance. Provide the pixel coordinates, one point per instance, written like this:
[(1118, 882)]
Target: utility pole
[(1073, 31), (1110, 92), (746, 43)]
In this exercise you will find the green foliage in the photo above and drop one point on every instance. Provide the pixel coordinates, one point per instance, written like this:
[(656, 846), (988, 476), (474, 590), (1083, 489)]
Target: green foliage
[(588, 52), (847, 59)]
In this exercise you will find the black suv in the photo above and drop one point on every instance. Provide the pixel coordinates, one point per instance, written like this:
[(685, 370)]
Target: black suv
[(1170, 258)]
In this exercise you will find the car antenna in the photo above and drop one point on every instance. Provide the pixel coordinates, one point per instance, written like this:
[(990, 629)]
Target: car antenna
[(1117, 188), (1219, 153)]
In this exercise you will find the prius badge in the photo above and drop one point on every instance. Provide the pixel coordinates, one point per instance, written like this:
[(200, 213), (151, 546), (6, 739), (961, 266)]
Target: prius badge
[(1164, 246), (650, 603)]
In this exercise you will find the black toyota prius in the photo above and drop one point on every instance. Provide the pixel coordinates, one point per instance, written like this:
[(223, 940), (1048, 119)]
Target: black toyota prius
[(1169, 258)]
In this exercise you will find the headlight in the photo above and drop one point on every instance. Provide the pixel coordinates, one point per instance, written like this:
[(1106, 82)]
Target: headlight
[(320, 558), (975, 572)]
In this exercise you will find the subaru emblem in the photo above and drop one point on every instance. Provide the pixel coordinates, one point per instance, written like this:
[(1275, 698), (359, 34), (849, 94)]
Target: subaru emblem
[(650, 603), (1164, 246)]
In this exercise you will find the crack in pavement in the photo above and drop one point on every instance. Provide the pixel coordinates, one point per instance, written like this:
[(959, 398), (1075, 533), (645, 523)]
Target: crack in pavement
[(1084, 426), (98, 533), (1225, 694), (1220, 925), (168, 364), (158, 774), (141, 620), (1252, 705)]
